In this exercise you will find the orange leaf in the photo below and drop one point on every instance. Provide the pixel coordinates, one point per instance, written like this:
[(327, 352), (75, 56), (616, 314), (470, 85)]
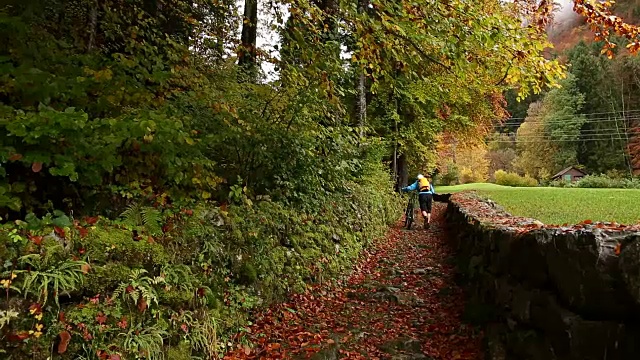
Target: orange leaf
[(15, 157), (36, 239), (618, 248), (65, 338), (142, 305), (85, 268), (36, 167)]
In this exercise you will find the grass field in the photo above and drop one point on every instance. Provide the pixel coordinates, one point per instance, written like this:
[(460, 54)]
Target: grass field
[(561, 205)]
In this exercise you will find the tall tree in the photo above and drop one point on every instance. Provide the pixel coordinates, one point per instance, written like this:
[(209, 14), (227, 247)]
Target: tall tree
[(248, 52)]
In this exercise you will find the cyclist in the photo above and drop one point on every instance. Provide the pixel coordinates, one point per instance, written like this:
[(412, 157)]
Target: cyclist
[(425, 196)]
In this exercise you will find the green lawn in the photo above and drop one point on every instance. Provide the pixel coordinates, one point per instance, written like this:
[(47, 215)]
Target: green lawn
[(561, 205)]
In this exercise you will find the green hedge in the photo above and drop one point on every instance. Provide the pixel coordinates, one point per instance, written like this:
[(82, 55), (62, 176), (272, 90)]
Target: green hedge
[(512, 179), (599, 181), (195, 284)]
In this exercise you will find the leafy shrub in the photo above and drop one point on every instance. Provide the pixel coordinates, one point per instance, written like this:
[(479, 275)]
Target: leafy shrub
[(468, 176), (450, 176), (120, 295), (512, 179), (600, 182)]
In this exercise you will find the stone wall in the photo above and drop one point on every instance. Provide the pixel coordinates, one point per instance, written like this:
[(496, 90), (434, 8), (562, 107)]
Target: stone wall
[(548, 292)]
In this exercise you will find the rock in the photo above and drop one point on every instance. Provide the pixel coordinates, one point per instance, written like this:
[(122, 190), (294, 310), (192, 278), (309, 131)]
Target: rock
[(329, 352), (528, 344), (630, 267), (572, 336), (527, 257), (390, 289), (584, 268), (495, 346), (403, 348), (521, 305)]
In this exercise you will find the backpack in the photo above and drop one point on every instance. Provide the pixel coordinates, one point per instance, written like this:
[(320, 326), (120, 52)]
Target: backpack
[(424, 184)]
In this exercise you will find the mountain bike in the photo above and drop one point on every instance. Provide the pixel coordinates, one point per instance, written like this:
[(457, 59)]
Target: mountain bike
[(409, 213)]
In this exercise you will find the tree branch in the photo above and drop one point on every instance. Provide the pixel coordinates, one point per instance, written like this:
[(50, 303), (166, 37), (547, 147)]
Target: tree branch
[(419, 50), (505, 73)]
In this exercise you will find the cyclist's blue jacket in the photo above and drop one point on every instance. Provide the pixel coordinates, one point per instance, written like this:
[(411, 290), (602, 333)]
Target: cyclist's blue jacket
[(415, 186)]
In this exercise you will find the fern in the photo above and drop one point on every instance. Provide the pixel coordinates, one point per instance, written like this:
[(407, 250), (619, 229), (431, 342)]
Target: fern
[(7, 316), (152, 219), (146, 217), (202, 334), (46, 276), (146, 342), (139, 286)]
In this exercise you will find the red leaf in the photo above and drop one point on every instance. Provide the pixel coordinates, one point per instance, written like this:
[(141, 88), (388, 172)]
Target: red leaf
[(618, 249), (101, 318), (83, 232), (35, 308), (36, 239), (36, 167), (122, 324), (115, 357), (59, 231), (18, 336), (15, 157), (65, 337), (587, 222), (142, 305), (91, 220)]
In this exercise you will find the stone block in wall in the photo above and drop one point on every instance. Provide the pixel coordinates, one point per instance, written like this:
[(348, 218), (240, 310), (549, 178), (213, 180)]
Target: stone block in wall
[(521, 304), (630, 267), (495, 342), (527, 258), (584, 269), (498, 242), (528, 344), (574, 338)]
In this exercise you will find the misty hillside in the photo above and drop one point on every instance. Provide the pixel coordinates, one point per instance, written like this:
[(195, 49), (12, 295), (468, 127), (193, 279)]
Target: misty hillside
[(569, 28)]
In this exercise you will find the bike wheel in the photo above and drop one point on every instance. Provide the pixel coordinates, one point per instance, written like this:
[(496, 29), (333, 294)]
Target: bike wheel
[(408, 216)]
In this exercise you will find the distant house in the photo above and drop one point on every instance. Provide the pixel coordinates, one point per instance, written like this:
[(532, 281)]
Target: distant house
[(570, 174)]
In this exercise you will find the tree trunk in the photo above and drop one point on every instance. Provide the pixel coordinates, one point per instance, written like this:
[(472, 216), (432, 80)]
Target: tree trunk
[(361, 89), (247, 57), (403, 178), (93, 25)]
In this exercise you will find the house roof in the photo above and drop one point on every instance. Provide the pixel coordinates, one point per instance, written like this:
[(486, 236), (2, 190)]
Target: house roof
[(567, 170)]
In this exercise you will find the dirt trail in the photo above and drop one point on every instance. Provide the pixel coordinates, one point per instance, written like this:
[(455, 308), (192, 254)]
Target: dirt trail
[(401, 302)]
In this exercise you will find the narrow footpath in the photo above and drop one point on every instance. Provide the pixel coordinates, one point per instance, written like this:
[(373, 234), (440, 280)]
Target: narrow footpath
[(400, 302)]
